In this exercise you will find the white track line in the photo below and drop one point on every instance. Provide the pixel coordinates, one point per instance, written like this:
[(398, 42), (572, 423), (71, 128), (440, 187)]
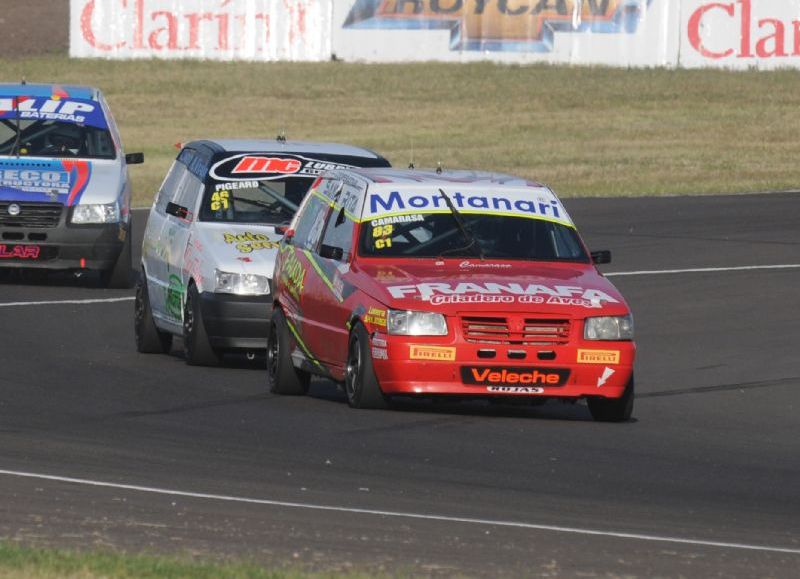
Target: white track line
[(56, 302), (703, 270), (406, 515)]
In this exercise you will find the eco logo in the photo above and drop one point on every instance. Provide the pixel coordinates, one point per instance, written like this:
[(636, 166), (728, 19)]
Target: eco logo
[(501, 25)]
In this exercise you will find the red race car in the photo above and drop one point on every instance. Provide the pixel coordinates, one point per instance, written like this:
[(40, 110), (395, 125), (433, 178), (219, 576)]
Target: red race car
[(456, 283)]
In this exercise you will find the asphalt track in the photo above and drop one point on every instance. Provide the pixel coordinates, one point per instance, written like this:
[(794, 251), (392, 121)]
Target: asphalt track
[(148, 454)]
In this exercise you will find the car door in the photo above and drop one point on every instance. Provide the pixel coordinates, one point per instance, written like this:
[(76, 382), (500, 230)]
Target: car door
[(304, 287), (333, 258), (156, 248), (181, 216)]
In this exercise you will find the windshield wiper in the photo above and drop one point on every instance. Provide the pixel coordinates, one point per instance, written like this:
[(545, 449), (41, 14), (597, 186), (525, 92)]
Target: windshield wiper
[(462, 227)]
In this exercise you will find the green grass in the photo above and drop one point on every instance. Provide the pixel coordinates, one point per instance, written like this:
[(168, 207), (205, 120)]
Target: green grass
[(22, 562), (583, 131)]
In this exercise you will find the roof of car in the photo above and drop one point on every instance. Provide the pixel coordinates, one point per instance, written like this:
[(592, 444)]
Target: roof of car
[(281, 146), (411, 177), (49, 90)]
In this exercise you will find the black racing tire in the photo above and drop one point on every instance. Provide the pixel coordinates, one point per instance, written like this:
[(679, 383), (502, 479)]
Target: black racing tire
[(149, 339), (197, 349), (613, 409), (360, 384), (282, 376), (120, 275)]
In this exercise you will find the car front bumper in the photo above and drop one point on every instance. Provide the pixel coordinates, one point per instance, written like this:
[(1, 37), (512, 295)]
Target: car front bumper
[(62, 247), (236, 322), (467, 370)]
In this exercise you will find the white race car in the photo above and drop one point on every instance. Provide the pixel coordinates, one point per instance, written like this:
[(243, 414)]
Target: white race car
[(212, 237), (64, 186)]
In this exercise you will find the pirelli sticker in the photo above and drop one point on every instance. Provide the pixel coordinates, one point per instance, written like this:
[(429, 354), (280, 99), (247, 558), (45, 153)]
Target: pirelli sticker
[(598, 356), (432, 353)]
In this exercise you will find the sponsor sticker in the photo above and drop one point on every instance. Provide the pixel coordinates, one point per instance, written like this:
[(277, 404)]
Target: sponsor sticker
[(506, 376), (376, 317), (433, 353), (379, 353), (266, 166), (598, 356), (19, 251), (515, 389), (248, 242)]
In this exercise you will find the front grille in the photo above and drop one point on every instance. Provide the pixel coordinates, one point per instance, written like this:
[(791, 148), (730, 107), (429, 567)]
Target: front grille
[(31, 215), (528, 331)]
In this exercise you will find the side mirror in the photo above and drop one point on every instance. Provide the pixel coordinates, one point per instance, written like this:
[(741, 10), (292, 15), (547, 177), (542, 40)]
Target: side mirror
[(288, 235), (178, 211), (134, 158), (603, 256), (331, 252)]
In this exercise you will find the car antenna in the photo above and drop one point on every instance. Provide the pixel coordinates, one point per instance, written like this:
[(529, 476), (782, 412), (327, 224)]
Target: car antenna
[(281, 138), (438, 167), (411, 164)]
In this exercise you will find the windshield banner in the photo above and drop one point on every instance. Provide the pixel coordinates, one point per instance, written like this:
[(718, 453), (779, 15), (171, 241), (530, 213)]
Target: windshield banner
[(209, 29), (54, 108), (543, 205)]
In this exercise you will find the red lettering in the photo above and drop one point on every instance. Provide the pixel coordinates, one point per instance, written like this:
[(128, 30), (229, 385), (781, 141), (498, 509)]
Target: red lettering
[(745, 51), (138, 30), (495, 377), (87, 15), (777, 37), (267, 165), (194, 27), (171, 30), (514, 378), (796, 24), (19, 252), (479, 376), (525, 379), (222, 35), (695, 22)]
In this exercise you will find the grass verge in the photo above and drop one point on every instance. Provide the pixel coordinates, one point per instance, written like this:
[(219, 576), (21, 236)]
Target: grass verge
[(583, 131), (21, 562)]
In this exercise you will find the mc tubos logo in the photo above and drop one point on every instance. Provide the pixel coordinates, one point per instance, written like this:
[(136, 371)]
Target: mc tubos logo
[(252, 164), (502, 25), (503, 376)]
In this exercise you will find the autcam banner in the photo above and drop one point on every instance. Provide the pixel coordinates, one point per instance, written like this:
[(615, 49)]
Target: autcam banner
[(212, 29), (740, 33), (611, 32)]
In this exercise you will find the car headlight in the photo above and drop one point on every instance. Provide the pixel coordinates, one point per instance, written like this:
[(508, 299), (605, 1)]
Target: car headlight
[(406, 323), (609, 328), (96, 213), (244, 284)]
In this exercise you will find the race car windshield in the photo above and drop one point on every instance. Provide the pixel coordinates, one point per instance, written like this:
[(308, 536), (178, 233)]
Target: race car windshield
[(47, 138), (499, 237), (272, 202)]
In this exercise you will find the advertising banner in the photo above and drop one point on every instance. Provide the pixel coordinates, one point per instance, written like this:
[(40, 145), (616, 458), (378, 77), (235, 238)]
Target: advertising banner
[(211, 29), (740, 33), (612, 32)]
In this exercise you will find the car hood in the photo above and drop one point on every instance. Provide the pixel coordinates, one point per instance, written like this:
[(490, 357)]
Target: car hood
[(237, 247), (458, 285), (66, 181)]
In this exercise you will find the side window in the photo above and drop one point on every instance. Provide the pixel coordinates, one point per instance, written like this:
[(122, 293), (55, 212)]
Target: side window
[(170, 187), (310, 223), (339, 232), (190, 191)]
